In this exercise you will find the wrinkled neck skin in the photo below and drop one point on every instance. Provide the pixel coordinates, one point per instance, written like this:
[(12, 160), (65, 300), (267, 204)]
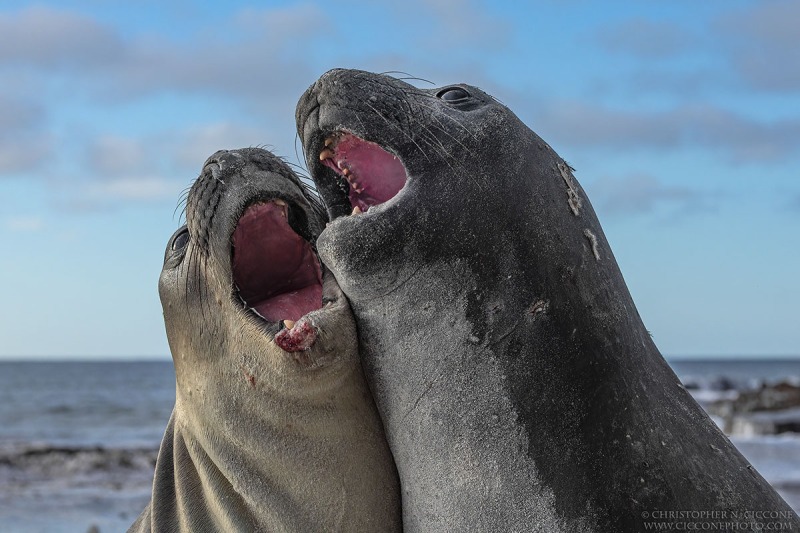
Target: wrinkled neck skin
[(517, 384), (259, 441)]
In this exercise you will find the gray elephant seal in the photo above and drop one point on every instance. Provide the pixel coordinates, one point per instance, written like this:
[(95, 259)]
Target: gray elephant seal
[(263, 439), (518, 386)]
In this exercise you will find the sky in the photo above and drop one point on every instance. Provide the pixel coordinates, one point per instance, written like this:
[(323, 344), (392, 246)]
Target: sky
[(681, 118)]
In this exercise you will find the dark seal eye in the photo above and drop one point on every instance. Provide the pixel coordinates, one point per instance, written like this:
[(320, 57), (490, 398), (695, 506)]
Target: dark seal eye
[(453, 94), (180, 240), (176, 248)]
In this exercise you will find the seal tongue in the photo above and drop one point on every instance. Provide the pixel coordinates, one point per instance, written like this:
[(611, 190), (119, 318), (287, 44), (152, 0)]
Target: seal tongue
[(375, 176), (276, 271)]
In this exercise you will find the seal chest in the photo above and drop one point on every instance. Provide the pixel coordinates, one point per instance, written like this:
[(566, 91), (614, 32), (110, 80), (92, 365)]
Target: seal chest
[(518, 386), (274, 428)]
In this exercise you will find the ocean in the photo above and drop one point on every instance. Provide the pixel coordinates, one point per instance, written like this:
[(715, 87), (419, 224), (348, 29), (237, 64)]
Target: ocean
[(78, 443), (78, 440)]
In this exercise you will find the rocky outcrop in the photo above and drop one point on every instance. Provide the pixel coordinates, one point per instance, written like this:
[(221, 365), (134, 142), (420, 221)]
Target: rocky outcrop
[(768, 410)]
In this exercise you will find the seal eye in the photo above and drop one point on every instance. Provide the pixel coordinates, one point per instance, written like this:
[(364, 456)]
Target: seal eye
[(453, 94), (181, 239), (176, 248)]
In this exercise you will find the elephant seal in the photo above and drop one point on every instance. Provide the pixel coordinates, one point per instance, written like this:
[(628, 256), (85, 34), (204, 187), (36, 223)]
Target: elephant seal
[(517, 384), (263, 439)]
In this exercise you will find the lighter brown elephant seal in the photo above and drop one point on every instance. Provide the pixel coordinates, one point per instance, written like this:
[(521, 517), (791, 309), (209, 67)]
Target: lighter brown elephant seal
[(261, 438)]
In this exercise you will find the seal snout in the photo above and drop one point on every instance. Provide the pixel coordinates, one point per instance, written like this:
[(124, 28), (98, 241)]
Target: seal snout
[(298, 338), (374, 176), (275, 271)]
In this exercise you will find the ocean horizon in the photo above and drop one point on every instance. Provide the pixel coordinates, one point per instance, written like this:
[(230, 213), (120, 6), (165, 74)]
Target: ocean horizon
[(79, 437)]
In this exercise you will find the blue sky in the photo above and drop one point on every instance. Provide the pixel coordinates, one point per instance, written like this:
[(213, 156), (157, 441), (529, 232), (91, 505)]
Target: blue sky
[(682, 119)]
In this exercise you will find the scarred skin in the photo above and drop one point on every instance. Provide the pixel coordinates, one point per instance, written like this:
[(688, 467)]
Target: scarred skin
[(518, 387), (261, 439), (298, 339)]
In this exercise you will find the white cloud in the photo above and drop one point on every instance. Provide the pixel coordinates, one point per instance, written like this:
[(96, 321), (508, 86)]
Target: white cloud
[(643, 193), (117, 193), (648, 39), (740, 138), (280, 26), (762, 42), (459, 23), (130, 171), (193, 147), (17, 113), (136, 188), (111, 155), (794, 203), (24, 223), (260, 58), (48, 37), (25, 154), (756, 43), (24, 143)]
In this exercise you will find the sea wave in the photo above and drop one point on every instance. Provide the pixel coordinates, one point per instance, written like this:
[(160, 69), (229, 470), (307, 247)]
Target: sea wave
[(43, 467)]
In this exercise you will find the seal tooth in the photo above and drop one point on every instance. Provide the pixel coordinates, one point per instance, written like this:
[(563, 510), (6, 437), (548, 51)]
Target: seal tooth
[(346, 171), (288, 323), (340, 164), (280, 203), (356, 211), (327, 153), (328, 141)]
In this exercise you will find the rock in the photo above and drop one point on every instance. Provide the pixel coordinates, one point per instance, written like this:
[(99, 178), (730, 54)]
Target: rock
[(768, 410)]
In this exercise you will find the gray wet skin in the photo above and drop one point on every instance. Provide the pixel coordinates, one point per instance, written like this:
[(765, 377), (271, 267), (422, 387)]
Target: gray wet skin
[(261, 439), (518, 386)]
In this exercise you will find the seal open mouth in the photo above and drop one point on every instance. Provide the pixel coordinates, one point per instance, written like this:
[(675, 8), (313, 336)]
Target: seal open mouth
[(275, 271), (374, 175)]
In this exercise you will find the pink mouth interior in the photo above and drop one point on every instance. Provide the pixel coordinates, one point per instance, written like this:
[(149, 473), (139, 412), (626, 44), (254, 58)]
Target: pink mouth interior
[(375, 175), (276, 271)]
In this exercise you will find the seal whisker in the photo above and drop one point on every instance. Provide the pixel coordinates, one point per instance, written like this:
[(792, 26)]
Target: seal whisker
[(187, 288), (302, 150), (446, 156), (300, 171), (430, 140), (183, 198), (200, 266), (456, 162), (436, 114), (406, 75), (436, 144), (181, 215), (397, 127)]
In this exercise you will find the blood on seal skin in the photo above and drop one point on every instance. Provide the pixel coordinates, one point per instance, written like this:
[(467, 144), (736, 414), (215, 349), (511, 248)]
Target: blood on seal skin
[(297, 339)]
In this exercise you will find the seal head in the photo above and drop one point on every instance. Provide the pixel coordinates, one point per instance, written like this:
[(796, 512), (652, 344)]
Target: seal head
[(518, 386)]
